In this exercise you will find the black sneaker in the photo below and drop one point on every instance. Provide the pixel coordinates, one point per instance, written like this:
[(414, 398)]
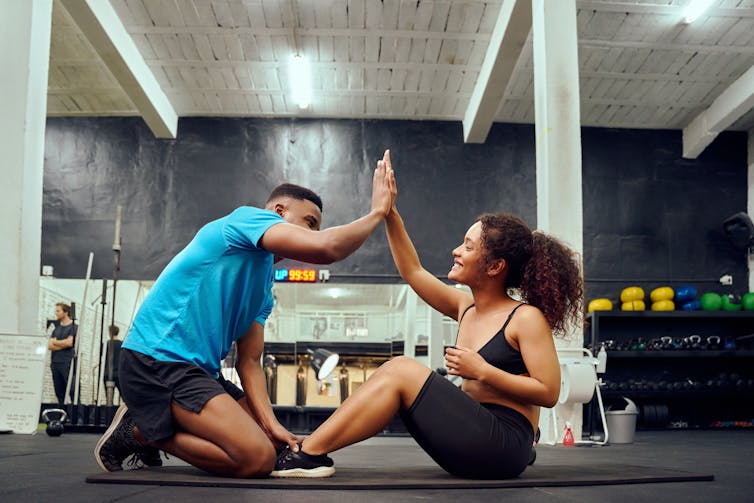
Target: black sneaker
[(150, 456), (301, 464), (145, 456), (117, 443)]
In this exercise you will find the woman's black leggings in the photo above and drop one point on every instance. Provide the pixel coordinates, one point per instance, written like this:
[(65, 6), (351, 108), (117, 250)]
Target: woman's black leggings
[(466, 438)]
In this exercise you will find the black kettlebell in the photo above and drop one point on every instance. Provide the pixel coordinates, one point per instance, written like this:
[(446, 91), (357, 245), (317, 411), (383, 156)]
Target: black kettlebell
[(55, 426)]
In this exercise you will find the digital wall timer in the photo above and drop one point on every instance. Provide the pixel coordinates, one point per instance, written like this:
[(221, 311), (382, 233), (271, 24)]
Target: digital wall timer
[(296, 275)]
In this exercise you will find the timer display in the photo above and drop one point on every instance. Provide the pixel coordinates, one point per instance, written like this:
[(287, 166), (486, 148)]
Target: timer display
[(296, 275)]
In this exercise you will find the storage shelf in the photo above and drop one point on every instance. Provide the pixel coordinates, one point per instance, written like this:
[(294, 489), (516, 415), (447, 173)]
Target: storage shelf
[(708, 371), (726, 394), (670, 314), (683, 353)]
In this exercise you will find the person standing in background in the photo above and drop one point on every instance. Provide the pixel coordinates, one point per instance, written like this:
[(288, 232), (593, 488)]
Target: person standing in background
[(61, 344), (111, 362)]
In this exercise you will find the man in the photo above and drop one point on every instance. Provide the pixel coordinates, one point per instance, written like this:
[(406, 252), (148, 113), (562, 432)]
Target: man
[(110, 374), (214, 292), (61, 344)]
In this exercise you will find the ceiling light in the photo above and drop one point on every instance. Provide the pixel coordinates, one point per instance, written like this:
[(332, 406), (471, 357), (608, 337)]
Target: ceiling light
[(300, 77), (694, 9)]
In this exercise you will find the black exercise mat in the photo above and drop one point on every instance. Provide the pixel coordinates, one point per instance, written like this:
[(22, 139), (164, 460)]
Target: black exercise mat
[(408, 478)]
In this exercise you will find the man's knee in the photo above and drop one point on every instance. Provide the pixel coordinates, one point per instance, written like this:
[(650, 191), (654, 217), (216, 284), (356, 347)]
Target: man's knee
[(256, 462)]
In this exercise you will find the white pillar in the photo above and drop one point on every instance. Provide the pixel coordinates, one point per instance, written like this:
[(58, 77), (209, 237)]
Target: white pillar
[(409, 327), (558, 121), (24, 57), (435, 343), (558, 141), (750, 201)]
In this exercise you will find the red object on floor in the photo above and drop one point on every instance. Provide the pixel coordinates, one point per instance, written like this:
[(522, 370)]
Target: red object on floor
[(568, 437)]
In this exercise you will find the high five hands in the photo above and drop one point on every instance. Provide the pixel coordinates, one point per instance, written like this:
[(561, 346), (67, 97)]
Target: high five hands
[(383, 186)]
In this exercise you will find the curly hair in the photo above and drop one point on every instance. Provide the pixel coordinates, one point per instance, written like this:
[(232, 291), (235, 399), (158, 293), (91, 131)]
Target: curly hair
[(543, 269)]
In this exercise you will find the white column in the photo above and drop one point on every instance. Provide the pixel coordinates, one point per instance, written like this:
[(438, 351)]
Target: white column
[(24, 57), (558, 120), (558, 141), (435, 343), (409, 327), (750, 201)]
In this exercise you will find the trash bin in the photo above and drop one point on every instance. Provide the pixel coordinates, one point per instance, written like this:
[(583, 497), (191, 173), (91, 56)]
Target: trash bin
[(621, 424)]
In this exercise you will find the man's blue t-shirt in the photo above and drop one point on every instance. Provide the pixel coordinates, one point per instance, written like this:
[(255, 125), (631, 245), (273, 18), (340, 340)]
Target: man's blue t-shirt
[(209, 294)]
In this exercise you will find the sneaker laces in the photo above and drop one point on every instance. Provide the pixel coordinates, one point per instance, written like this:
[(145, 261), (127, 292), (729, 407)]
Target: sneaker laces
[(136, 461), (287, 454)]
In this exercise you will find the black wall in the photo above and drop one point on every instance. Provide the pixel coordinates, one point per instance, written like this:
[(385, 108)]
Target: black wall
[(649, 216), (652, 218)]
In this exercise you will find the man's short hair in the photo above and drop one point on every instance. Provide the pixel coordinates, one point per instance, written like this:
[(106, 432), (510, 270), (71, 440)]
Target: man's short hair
[(64, 307), (296, 192)]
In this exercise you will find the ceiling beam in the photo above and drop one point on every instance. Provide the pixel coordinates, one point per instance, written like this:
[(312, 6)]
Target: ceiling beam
[(508, 39), (108, 37), (727, 108), (659, 9)]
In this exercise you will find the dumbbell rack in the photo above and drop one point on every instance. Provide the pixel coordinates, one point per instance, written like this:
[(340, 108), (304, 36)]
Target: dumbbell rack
[(683, 369)]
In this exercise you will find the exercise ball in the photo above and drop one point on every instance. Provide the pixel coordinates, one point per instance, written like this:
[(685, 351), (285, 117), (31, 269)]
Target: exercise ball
[(661, 293), (711, 302), (633, 305), (747, 301), (731, 302), (685, 294), (663, 305), (631, 293), (600, 305)]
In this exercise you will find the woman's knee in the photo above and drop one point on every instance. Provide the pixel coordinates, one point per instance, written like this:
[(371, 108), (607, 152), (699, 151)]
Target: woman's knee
[(403, 370), (402, 366)]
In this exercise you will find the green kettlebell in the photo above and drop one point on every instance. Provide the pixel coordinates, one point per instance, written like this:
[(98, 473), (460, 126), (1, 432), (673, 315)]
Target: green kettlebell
[(711, 302), (747, 301)]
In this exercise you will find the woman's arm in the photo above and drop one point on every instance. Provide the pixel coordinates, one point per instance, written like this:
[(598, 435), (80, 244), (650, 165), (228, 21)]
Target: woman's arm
[(444, 298), (542, 385)]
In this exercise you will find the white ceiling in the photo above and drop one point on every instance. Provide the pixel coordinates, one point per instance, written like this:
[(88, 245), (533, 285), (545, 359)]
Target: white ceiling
[(640, 66)]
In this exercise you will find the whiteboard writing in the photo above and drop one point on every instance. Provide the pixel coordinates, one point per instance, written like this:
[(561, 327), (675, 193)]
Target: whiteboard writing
[(22, 366)]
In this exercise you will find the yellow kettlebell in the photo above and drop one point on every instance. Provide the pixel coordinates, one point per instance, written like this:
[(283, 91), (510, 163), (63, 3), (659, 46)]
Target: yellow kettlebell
[(600, 305), (631, 293), (662, 293), (663, 305), (633, 305)]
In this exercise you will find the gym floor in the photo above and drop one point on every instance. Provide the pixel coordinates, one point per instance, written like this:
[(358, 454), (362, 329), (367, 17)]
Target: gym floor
[(38, 468)]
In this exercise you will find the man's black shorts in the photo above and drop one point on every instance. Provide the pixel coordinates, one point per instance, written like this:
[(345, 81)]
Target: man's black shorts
[(148, 387)]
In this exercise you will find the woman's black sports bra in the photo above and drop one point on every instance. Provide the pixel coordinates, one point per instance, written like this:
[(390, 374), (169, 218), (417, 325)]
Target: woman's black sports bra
[(498, 352)]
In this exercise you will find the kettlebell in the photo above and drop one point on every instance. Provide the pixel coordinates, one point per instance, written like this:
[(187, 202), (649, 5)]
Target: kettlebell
[(55, 426)]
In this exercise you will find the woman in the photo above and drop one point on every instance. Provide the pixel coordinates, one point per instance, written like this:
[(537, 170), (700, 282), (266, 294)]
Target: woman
[(504, 352)]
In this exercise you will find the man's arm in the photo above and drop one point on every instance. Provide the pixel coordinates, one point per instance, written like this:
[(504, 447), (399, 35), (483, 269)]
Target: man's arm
[(250, 348), (57, 344), (336, 243)]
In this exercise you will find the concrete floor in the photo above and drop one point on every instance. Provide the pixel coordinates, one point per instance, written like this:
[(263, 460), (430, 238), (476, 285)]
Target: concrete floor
[(38, 468)]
